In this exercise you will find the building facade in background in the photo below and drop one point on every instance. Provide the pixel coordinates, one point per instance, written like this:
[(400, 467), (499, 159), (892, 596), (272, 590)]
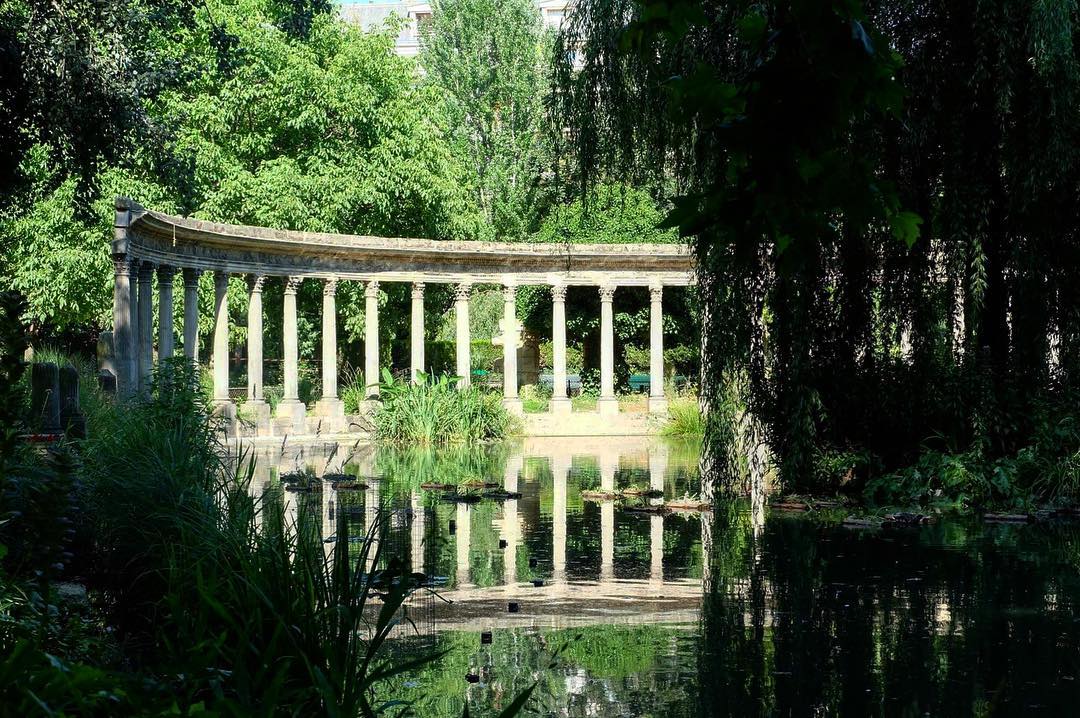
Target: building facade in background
[(374, 15)]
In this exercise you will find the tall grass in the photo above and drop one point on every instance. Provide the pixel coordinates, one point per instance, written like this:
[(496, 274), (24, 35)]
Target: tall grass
[(684, 418), (219, 602), (436, 410)]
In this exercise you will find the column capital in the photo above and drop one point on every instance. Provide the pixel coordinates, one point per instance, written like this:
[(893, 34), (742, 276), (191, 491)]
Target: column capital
[(329, 287), (371, 289), (191, 276), (292, 284), (558, 292), (166, 273), (462, 292), (607, 292), (221, 277), (256, 282), (146, 269), (123, 265), (656, 292), (509, 292), (417, 290)]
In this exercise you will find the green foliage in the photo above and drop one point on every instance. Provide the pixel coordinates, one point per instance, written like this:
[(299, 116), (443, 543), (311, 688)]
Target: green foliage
[(437, 410), (609, 214), (487, 59), (684, 417), (534, 398), (869, 190)]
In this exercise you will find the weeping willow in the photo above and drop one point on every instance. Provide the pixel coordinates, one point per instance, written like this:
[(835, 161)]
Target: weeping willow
[(881, 197)]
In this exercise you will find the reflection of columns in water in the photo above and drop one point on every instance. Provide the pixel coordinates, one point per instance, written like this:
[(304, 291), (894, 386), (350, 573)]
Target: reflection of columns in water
[(608, 465), (511, 527), (560, 470), (658, 462), (706, 547), (656, 549), (329, 519), (464, 518), (371, 516), (416, 532)]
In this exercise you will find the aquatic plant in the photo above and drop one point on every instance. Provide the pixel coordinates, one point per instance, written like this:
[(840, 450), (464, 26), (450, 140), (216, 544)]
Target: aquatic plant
[(438, 410), (684, 418)]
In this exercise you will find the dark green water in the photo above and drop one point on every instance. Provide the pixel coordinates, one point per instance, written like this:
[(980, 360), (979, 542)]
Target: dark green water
[(735, 612)]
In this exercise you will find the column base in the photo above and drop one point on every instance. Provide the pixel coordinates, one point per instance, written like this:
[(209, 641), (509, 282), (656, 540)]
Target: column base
[(607, 406), (658, 405), (255, 413), (560, 406), (329, 407), (225, 410), (289, 416), (514, 405)]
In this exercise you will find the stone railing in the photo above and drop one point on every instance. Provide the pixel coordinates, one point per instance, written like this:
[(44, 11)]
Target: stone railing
[(146, 242)]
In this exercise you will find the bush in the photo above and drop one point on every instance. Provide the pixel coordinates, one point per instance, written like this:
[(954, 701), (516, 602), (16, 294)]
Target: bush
[(436, 410), (684, 418)]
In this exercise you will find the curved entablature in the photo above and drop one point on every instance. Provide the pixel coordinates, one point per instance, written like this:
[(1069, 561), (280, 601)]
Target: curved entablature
[(148, 245), (181, 242)]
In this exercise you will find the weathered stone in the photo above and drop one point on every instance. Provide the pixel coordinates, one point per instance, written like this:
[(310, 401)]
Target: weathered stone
[(45, 396), (71, 417), (107, 381), (106, 356)]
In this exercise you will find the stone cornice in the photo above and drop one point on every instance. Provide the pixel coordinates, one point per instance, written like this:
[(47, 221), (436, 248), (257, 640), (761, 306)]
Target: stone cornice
[(236, 249)]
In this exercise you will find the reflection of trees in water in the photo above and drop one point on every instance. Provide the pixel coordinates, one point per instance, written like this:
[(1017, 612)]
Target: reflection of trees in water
[(950, 619)]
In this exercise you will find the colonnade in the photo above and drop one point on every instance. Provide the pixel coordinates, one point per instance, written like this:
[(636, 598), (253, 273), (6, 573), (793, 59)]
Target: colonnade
[(134, 341)]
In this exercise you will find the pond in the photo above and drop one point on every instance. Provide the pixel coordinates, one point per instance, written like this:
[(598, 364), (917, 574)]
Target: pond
[(741, 610)]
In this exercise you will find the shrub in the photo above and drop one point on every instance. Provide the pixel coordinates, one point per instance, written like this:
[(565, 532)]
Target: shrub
[(437, 410), (684, 418)]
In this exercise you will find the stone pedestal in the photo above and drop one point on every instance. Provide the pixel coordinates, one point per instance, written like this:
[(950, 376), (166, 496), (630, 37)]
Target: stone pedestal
[(658, 404), (257, 412), (607, 406), (289, 417), (331, 413), (560, 405)]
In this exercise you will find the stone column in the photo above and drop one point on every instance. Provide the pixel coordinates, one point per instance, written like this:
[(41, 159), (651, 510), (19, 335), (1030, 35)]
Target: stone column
[(191, 314), (560, 402), (290, 409), (607, 405), (133, 320), (417, 333), (166, 341), (371, 340), (464, 350), (510, 351), (256, 405), (146, 325), (126, 376), (221, 339), (657, 401), (330, 406)]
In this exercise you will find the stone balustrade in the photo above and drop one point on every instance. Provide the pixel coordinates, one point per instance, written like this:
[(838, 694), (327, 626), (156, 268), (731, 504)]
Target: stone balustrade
[(146, 242)]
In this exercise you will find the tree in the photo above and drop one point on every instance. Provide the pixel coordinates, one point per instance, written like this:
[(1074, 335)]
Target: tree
[(868, 191), (487, 57)]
